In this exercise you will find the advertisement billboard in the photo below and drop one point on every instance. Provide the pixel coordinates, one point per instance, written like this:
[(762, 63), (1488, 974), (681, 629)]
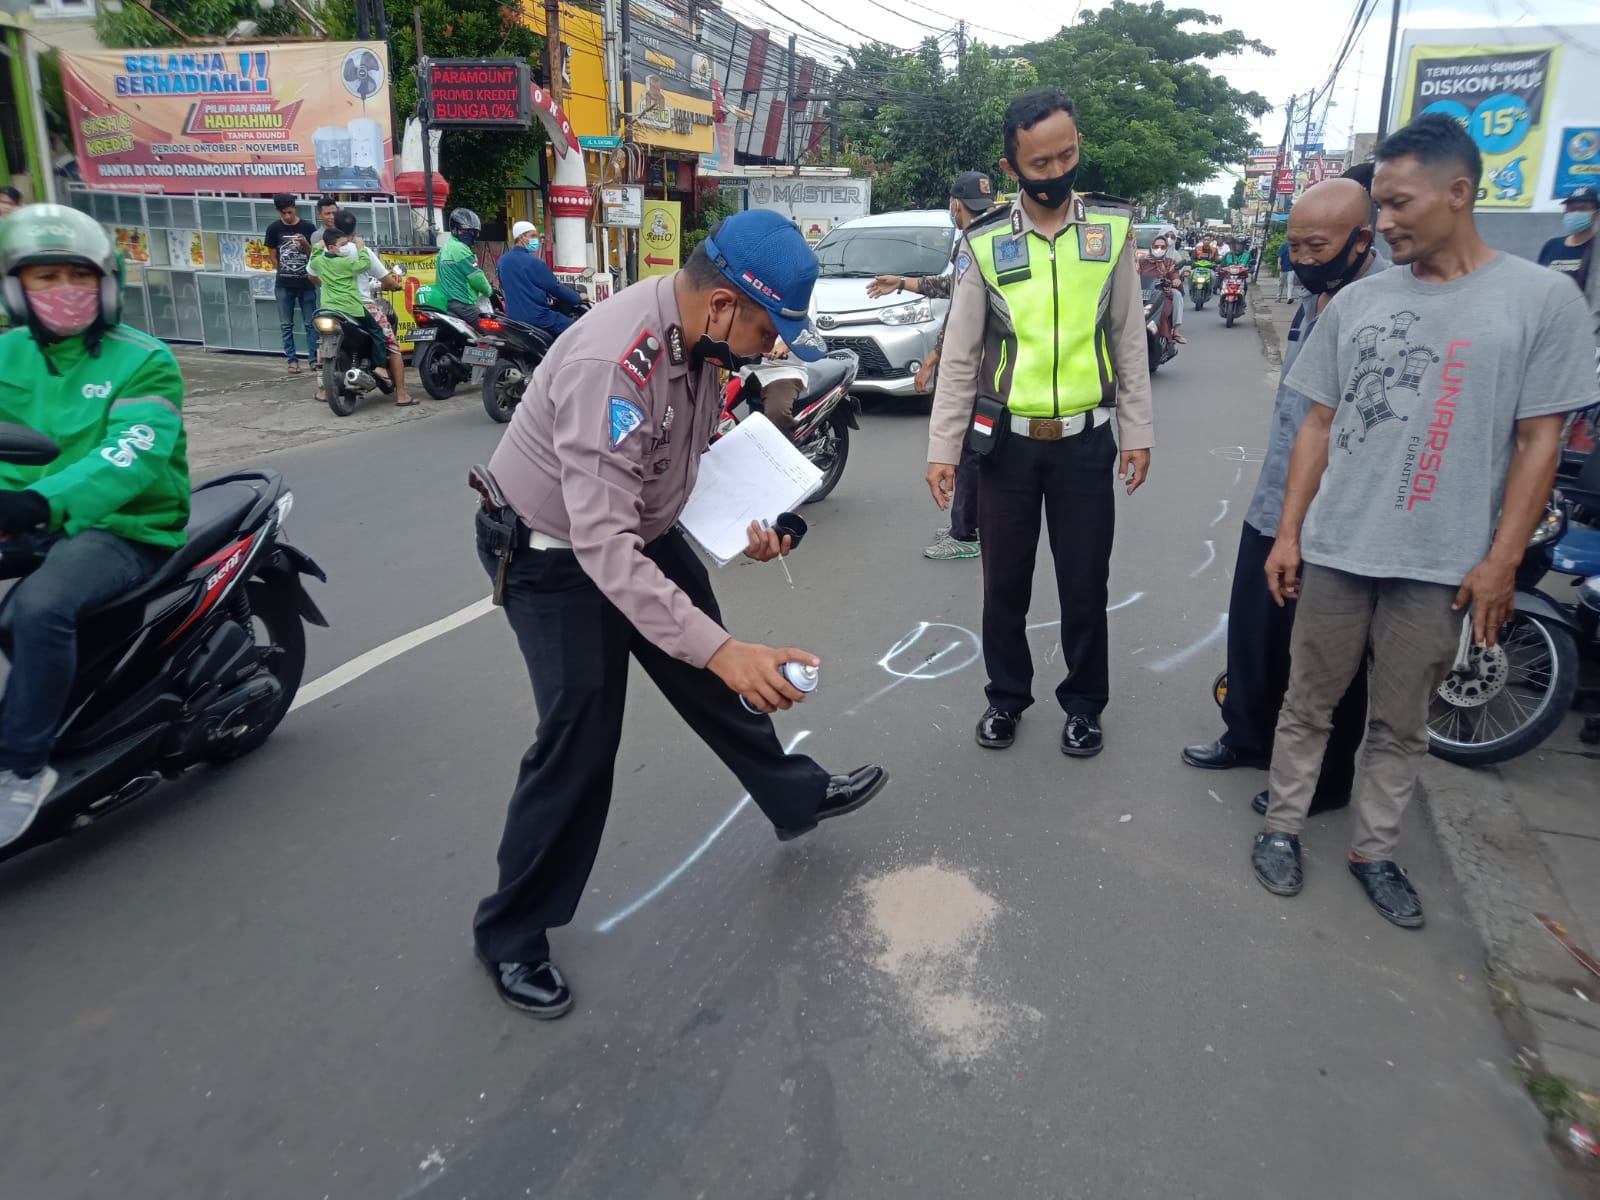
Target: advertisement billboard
[(308, 117), (475, 93), (672, 78), (1579, 163), (1500, 94), (662, 227)]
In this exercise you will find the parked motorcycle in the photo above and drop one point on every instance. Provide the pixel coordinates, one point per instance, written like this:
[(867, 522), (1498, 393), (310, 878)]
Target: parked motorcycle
[(198, 664), (1231, 305), (1158, 321), (447, 348), (347, 361), (1202, 284), (823, 414), (519, 348)]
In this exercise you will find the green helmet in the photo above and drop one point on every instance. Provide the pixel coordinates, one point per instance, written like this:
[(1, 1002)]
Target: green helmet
[(53, 233)]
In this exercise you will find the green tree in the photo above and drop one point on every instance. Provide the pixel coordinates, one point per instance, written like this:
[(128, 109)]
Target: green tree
[(1236, 201), (133, 27), (1210, 208), (479, 164)]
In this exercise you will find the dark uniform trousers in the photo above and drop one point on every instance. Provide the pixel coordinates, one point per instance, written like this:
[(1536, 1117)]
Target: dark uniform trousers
[(1073, 477), (964, 504), (577, 645), (1258, 675)]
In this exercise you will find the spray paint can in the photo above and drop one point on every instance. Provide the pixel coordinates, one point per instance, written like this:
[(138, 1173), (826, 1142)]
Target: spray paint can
[(801, 677)]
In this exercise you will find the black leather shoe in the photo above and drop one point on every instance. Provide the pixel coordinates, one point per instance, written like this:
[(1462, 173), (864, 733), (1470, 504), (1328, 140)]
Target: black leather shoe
[(1080, 736), (1276, 859), (845, 794), (1217, 757), (1318, 805), (996, 729), (1390, 891), (536, 988)]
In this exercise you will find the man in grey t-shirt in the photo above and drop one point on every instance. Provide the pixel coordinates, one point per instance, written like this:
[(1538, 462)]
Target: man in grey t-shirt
[(1330, 243), (1417, 477)]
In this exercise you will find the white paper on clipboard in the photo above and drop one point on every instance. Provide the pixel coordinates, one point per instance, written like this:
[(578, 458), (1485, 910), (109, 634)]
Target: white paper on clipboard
[(752, 473)]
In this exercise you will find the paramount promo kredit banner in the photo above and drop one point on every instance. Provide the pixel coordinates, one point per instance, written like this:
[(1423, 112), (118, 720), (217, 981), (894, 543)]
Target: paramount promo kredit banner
[(309, 117)]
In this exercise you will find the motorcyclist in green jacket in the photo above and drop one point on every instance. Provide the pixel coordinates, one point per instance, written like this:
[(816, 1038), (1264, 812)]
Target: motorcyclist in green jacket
[(457, 270), (112, 506)]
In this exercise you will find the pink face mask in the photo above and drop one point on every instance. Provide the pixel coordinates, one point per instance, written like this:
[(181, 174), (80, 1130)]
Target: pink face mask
[(68, 309)]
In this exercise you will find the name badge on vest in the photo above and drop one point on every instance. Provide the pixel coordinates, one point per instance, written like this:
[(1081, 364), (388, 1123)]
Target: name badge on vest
[(1010, 254), (1094, 243)]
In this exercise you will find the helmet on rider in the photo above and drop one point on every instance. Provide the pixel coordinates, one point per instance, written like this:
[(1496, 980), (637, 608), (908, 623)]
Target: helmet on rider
[(465, 225), (58, 300)]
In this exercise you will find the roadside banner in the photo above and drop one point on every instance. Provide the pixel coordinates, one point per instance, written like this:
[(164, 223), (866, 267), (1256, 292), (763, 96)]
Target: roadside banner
[(1501, 94), (1579, 164), (306, 117), (420, 271), (659, 238)]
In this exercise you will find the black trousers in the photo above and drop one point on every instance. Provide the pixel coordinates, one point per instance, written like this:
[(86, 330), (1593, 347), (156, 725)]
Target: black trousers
[(1072, 479), (964, 504), (577, 646), (1258, 674)]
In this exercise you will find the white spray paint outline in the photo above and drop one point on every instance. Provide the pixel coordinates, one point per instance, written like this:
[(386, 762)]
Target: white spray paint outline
[(671, 877), (1211, 557), (1221, 515), (1178, 658)]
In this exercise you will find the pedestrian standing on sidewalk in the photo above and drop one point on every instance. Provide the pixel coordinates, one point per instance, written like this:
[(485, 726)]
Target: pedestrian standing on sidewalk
[(327, 211), (1044, 344), (289, 240), (1331, 234), (1439, 390), (971, 195), (1285, 276)]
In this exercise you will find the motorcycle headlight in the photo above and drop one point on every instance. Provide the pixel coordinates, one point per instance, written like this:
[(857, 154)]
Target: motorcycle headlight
[(1551, 528), (918, 312)]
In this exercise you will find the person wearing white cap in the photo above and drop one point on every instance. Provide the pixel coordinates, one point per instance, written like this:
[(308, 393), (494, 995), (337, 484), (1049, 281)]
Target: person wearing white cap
[(529, 284)]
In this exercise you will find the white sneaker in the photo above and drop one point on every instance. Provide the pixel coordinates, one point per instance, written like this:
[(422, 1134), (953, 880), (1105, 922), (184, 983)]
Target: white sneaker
[(20, 801)]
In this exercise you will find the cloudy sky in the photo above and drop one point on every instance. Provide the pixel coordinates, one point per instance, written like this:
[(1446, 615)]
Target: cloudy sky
[(1305, 34)]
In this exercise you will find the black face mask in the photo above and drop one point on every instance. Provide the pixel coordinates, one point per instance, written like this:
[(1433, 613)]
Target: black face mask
[(1332, 275), (717, 350), (1052, 193)]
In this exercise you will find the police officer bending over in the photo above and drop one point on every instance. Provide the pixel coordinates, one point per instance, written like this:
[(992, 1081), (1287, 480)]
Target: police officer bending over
[(595, 468), (1045, 339)]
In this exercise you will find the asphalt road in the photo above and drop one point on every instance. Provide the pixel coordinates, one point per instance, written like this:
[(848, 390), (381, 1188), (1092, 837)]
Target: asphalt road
[(1013, 974)]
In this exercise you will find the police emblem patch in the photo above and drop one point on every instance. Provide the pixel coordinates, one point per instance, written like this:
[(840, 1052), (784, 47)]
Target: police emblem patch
[(963, 261), (1094, 242), (626, 416), (1010, 254), (641, 358)]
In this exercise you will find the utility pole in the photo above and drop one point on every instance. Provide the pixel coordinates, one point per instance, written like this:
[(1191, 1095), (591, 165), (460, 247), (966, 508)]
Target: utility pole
[(790, 156), (625, 62), (424, 103), (363, 21), (380, 17), (552, 48), (1283, 158), (961, 44), (1388, 72)]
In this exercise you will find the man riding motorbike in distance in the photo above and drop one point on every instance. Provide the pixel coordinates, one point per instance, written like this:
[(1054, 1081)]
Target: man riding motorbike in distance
[(1160, 264), (530, 285), (457, 271), (113, 505)]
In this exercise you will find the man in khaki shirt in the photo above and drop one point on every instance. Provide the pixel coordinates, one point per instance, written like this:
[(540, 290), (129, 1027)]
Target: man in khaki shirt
[(1060, 380)]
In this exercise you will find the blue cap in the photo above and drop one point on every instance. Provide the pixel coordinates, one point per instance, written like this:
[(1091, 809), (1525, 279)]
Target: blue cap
[(764, 255)]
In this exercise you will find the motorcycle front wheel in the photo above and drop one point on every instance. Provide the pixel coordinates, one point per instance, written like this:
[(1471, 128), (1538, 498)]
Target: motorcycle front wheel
[(436, 371), (828, 449), (1509, 699), (502, 389)]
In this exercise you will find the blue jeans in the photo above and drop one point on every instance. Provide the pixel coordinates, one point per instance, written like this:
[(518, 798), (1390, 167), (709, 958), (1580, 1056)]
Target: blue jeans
[(306, 302), (41, 615)]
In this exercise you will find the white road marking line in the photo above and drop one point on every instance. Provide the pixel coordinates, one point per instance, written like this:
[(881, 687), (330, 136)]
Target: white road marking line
[(361, 664), (1182, 656), (616, 919)]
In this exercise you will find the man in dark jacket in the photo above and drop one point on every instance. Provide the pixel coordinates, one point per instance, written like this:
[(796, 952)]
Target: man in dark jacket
[(529, 284)]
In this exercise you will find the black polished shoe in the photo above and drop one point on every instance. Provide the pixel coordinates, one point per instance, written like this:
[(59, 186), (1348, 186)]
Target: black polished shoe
[(536, 988), (1318, 804), (1390, 891), (1080, 736), (1215, 756), (1276, 859), (996, 729), (845, 794)]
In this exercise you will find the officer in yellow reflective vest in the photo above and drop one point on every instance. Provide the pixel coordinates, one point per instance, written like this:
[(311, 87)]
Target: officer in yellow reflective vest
[(1044, 344)]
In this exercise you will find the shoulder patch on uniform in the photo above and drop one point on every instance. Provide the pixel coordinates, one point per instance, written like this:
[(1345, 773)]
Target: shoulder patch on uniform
[(641, 358), (626, 416), (963, 261), (1094, 243)]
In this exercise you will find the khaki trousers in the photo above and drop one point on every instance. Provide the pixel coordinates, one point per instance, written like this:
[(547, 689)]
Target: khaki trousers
[(1413, 636)]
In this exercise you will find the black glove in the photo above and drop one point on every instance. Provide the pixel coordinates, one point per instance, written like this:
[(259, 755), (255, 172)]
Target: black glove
[(21, 512)]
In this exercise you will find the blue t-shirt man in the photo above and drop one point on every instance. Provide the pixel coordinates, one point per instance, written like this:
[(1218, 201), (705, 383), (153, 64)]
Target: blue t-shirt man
[(1284, 265), (528, 283)]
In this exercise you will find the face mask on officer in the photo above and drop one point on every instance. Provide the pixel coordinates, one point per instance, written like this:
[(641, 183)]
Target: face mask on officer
[(1332, 275), (719, 349), (1045, 143)]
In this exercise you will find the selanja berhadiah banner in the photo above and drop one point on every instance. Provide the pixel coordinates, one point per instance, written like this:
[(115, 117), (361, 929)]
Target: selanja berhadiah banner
[(307, 117)]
